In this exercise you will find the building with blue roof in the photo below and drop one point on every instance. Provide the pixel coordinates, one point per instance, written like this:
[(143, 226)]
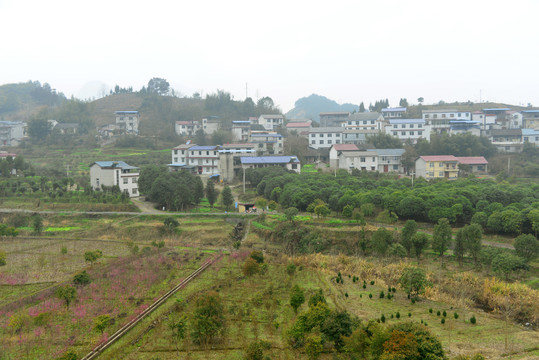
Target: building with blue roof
[(530, 136), (254, 162), (530, 119), (394, 113), (115, 173)]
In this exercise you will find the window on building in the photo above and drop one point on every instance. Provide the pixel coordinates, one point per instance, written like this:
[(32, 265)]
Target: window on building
[(395, 126), (321, 142), (394, 133), (452, 115), (312, 135), (419, 126), (420, 133), (373, 168), (97, 182), (373, 159), (330, 135), (313, 142), (441, 173), (175, 159), (364, 122), (411, 126), (372, 121), (134, 191), (403, 126), (411, 133), (337, 141), (435, 116), (459, 114), (126, 180), (329, 142), (431, 164), (362, 159), (426, 116), (134, 180), (337, 135), (395, 167), (294, 166), (200, 153), (403, 133)]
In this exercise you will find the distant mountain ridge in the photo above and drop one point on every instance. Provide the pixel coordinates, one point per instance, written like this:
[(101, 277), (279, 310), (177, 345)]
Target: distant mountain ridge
[(311, 106)]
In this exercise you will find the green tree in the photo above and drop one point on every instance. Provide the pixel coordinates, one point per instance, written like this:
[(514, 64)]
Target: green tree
[(322, 210), (82, 278), (384, 141), (67, 293), (297, 298), (250, 267), (37, 224), (291, 213), (362, 107), (3, 258), (472, 236), (381, 240), (505, 263), (347, 211), (170, 224), (255, 350), (441, 237), (413, 280), (527, 247), (39, 129), (208, 320), (158, 86), (459, 247), (228, 198), (211, 193), (178, 327), (101, 322), (313, 346), (408, 232), (92, 256), (396, 251)]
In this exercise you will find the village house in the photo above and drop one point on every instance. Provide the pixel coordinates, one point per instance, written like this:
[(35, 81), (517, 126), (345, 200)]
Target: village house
[(473, 164), (204, 159), (115, 173), (128, 121), (389, 160), (299, 126), (437, 167), (241, 130), (358, 137), (361, 160), (363, 121), (187, 128), (11, 132), (507, 140), (407, 129), (530, 136), (324, 137), (336, 149), (254, 162), (394, 113), (271, 122), (267, 142), (530, 119), (439, 119)]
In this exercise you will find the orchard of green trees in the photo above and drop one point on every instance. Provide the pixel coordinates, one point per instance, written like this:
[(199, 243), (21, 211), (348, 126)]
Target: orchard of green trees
[(499, 208)]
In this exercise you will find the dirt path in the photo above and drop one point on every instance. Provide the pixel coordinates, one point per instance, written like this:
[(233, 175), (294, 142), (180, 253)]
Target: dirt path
[(145, 207)]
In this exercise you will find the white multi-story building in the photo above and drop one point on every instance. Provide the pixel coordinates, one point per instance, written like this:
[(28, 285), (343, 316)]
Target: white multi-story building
[(267, 142), (180, 153), (11, 132), (115, 173), (530, 119), (407, 129), (389, 160), (363, 121), (241, 130), (530, 136), (439, 119), (128, 121), (324, 137), (204, 159), (361, 160), (357, 136), (271, 122), (230, 159)]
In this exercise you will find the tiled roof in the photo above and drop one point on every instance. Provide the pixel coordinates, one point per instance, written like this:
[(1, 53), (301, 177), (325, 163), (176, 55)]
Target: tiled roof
[(472, 160), (439, 158), (397, 109), (365, 116), (197, 147), (298, 124), (345, 147)]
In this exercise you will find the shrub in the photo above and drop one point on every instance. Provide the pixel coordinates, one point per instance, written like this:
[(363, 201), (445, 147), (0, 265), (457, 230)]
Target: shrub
[(3, 257), (250, 267), (473, 320), (82, 278), (370, 296), (63, 251), (430, 310), (438, 313), (372, 282), (364, 286), (398, 315), (456, 316), (383, 318), (381, 294), (444, 314), (258, 256), (409, 314), (291, 269), (442, 321)]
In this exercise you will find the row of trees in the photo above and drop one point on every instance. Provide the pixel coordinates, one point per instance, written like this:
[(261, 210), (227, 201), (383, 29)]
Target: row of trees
[(497, 207)]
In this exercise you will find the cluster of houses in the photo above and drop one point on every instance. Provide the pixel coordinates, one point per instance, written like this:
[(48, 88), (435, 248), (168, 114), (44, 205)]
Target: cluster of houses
[(340, 142)]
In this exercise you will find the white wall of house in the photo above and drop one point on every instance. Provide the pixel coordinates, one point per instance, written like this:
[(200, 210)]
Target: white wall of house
[(126, 181), (323, 138), (361, 160), (412, 130)]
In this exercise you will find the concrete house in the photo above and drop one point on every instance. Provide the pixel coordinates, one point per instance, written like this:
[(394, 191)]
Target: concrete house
[(128, 121), (437, 167), (439, 119), (530, 119), (389, 160), (530, 136), (507, 140), (271, 122), (394, 113), (115, 173), (475, 164), (336, 149), (204, 159), (267, 142), (288, 162), (361, 160), (363, 121), (187, 128), (407, 129), (329, 119), (324, 137), (11, 132)]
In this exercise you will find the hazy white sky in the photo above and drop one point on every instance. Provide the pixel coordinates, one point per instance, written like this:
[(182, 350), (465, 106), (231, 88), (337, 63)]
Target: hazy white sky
[(349, 51)]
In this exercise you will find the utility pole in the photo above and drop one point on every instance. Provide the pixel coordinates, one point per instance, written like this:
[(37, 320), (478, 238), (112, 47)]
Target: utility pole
[(243, 180)]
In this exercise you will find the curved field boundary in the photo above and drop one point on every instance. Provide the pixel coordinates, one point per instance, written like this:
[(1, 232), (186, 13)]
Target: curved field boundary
[(124, 329)]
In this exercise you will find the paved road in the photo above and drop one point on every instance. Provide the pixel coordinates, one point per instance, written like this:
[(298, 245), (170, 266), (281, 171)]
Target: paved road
[(155, 212)]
